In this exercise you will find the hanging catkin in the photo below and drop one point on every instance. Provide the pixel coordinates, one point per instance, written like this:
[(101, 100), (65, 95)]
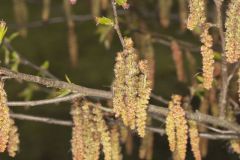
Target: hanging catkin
[(233, 32), (103, 132), (183, 13), (77, 132), (5, 123), (46, 10), (207, 57), (21, 15), (131, 88), (165, 12), (194, 139), (176, 127), (13, 142), (178, 60), (115, 143), (72, 35), (197, 13)]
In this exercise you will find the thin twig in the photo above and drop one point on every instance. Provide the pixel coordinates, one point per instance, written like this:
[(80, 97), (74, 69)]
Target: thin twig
[(161, 111), (54, 121), (224, 87), (116, 23)]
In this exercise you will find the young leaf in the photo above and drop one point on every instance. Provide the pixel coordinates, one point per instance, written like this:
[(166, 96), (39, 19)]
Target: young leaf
[(45, 65), (104, 21), (67, 78), (123, 3), (3, 30), (13, 36), (63, 92)]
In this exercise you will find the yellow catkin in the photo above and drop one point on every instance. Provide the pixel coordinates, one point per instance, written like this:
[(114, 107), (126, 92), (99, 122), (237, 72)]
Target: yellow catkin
[(164, 12), (119, 106), (208, 58), (21, 15), (4, 119), (103, 132), (239, 84), (170, 131), (131, 81), (144, 91), (233, 32), (72, 36), (46, 10), (176, 127), (183, 13), (235, 146), (146, 147), (90, 134), (77, 132), (178, 60), (115, 143), (197, 13), (194, 139), (131, 88), (13, 142)]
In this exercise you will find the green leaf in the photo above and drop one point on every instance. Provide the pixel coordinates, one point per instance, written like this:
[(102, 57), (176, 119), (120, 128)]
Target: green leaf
[(6, 55), (104, 21), (199, 79), (63, 92), (45, 65), (13, 36), (67, 78), (3, 30), (217, 56), (121, 2), (16, 61)]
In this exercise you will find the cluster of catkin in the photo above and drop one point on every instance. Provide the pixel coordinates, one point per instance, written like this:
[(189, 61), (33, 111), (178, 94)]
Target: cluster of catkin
[(9, 138), (131, 88), (90, 132), (197, 18), (232, 37), (177, 130)]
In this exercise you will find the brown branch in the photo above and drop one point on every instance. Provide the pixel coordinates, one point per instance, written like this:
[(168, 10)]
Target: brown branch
[(116, 23), (203, 118), (225, 84), (69, 123), (41, 119)]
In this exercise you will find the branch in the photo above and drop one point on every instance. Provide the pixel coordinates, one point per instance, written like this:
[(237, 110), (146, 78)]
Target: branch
[(69, 123), (116, 23), (199, 117), (225, 84)]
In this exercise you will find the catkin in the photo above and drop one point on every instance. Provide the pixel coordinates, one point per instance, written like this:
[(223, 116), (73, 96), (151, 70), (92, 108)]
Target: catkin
[(77, 132), (233, 32), (115, 143), (194, 139), (131, 88), (235, 146), (164, 12), (197, 13), (176, 127), (13, 142), (178, 60), (104, 133), (208, 57), (4, 119)]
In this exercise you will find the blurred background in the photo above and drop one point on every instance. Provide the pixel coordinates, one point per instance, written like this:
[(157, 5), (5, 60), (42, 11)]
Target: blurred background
[(70, 43)]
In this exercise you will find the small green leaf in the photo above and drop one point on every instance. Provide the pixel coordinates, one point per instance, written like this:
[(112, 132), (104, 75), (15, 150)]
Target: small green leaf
[(45, 65), (63, 92), (13, 36), (67, 78), (121, 2), (199, 79), (6, 55), (104, 21), (3, 30), (16, 61), (217, 56)]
